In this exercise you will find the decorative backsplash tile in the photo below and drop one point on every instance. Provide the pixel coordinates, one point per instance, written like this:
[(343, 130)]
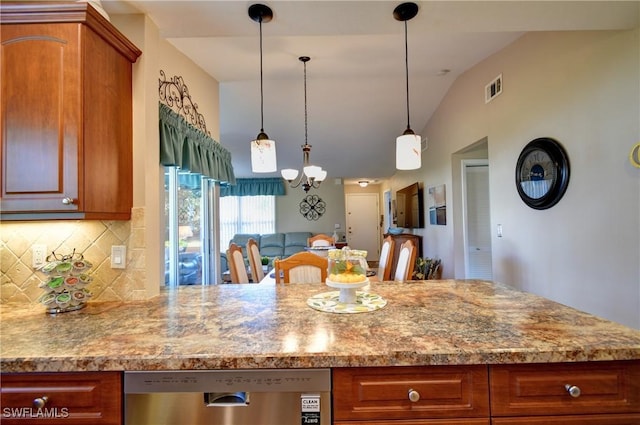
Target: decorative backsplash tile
[(20, 283)]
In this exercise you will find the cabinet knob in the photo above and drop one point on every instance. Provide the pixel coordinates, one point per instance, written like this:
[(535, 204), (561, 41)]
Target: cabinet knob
[(414, 396), (40, 402), (67, 201), (573, 390)]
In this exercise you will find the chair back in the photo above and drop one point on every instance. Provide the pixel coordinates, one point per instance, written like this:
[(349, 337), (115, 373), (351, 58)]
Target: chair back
[(384, 269), (237, 267), (302, 267), (406, 261), (255, 260), (320, 240)]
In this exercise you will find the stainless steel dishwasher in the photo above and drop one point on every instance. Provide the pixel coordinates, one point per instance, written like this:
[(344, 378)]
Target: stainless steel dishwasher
[(228, 397)]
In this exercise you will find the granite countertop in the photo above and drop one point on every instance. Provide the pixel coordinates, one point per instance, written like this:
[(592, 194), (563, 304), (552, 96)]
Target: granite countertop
[(267, 326)]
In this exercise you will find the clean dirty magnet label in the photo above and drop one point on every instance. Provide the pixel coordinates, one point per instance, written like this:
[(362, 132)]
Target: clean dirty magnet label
[(310, 409)]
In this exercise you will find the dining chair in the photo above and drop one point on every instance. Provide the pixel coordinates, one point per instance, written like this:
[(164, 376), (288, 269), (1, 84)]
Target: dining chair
[(406, 261), (301, 267), (384, 264), (237, 267), (255, 260), (320, 240)]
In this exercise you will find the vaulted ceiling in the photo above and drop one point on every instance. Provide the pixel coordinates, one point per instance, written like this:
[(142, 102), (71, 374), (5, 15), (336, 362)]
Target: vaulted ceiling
[(356, 77)]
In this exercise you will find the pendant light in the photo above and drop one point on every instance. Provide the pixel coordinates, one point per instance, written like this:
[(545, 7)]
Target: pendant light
[(312, 175), (408, 149), (263, 149)]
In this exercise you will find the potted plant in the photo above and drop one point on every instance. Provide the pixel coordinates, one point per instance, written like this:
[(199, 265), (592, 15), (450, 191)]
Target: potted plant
[(427, 268)]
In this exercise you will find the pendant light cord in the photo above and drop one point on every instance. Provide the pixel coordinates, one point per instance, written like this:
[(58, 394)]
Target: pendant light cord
[(305, 103), (406, 67), (261, 90)]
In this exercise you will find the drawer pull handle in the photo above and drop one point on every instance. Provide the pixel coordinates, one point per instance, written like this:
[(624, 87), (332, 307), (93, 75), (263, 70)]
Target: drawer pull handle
[(573, 390), (40, 402), (414, 396), (67, 201)]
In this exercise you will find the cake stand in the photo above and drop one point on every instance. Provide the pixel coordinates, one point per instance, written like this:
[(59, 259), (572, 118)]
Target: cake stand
[(347, 290)]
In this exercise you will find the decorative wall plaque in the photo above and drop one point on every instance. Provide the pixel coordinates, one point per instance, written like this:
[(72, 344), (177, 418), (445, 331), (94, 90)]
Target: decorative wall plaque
[(312, 207)]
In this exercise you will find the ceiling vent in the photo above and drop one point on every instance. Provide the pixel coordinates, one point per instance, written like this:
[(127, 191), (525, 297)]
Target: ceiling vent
[(493, 89)]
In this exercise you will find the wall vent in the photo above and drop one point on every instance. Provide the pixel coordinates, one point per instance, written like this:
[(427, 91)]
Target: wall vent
[(493, 89)]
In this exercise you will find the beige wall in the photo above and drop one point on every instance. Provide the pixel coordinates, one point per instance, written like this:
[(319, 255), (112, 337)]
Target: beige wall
[(583, 89), (289, 218)]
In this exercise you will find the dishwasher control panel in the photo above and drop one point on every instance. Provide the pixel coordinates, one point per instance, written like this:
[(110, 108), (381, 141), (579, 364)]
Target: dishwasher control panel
[(254, 380)]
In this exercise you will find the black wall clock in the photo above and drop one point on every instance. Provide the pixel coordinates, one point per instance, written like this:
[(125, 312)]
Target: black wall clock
[(542, 173)]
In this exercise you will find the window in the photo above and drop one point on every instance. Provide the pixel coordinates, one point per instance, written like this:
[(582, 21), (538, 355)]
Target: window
[(186, 231), (246, 214), (199, 222)]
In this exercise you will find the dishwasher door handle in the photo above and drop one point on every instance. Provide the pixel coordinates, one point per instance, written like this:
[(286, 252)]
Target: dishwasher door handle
[(239, 399)]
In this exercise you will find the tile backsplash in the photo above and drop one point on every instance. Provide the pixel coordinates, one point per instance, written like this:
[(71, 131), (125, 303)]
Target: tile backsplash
[(19, 282)]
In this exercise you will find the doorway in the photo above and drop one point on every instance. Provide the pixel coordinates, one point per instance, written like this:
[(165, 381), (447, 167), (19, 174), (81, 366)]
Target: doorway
[(363, 224), (476, 219)]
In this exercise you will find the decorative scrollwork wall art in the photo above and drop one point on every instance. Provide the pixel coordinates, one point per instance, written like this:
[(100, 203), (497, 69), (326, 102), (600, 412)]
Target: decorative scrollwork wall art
[(312, 207), (175, 94)]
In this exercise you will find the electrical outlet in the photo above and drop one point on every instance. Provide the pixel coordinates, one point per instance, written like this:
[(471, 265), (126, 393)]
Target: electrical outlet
[(118, 256), (38, 256)]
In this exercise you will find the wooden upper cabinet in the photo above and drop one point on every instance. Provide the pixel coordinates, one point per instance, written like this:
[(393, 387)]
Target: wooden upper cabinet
[(66, 117)]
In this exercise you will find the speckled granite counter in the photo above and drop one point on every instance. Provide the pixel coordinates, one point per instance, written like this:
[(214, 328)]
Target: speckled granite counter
[(257, 326)]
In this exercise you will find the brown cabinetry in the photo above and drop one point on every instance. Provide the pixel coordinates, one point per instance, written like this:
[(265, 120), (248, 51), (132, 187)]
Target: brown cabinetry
[(398, 241), (66, 117), (79, 398), (411, 395), (566, 393)]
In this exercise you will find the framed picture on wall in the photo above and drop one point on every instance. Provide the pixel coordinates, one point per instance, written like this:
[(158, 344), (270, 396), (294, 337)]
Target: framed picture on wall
[(436, 200)]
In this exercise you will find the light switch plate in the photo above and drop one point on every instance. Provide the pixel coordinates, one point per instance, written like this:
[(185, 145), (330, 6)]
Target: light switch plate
[(118, 256)]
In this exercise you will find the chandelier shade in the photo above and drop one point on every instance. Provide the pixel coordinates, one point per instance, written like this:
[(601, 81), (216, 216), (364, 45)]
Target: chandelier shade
[(312, 175), (263, 149), (408, 149)]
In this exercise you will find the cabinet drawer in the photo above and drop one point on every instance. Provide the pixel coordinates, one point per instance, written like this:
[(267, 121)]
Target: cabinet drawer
[(383, 393), (607, 387), (622, 419), (466, 421), (71, 398)]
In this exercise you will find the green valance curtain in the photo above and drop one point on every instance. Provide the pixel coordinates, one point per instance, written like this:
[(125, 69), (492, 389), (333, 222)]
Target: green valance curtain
[(254, 187), (185, 146)]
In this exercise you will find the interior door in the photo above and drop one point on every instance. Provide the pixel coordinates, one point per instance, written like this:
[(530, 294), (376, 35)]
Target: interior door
[(363, 225), (477, 228)]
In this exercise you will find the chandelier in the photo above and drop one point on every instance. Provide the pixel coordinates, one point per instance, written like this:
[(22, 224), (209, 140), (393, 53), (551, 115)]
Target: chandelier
[(312, 175), (263, 149), (408, 145)]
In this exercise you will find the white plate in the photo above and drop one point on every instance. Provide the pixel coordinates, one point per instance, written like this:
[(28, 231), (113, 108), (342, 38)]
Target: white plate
[(343, 285)]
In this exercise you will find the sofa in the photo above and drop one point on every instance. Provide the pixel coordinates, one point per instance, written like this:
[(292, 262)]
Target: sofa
[(271, 245)]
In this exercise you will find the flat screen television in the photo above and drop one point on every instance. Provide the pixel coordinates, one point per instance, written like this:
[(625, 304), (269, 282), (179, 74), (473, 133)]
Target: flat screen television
[(410, 207)]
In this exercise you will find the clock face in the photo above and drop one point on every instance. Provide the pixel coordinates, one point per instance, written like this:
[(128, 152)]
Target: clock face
[(537, 173), (542, 173)]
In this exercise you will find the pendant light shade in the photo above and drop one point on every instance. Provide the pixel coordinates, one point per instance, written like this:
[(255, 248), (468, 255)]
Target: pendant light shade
[(408, 152), (263, 149), (408, 146)]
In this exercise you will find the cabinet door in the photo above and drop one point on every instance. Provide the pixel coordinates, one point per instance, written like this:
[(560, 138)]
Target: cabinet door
[(41, 122), (388, 393), (91, 398)]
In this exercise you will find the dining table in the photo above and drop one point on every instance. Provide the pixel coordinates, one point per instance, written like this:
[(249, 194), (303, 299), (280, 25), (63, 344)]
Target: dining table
[(270, 277)]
